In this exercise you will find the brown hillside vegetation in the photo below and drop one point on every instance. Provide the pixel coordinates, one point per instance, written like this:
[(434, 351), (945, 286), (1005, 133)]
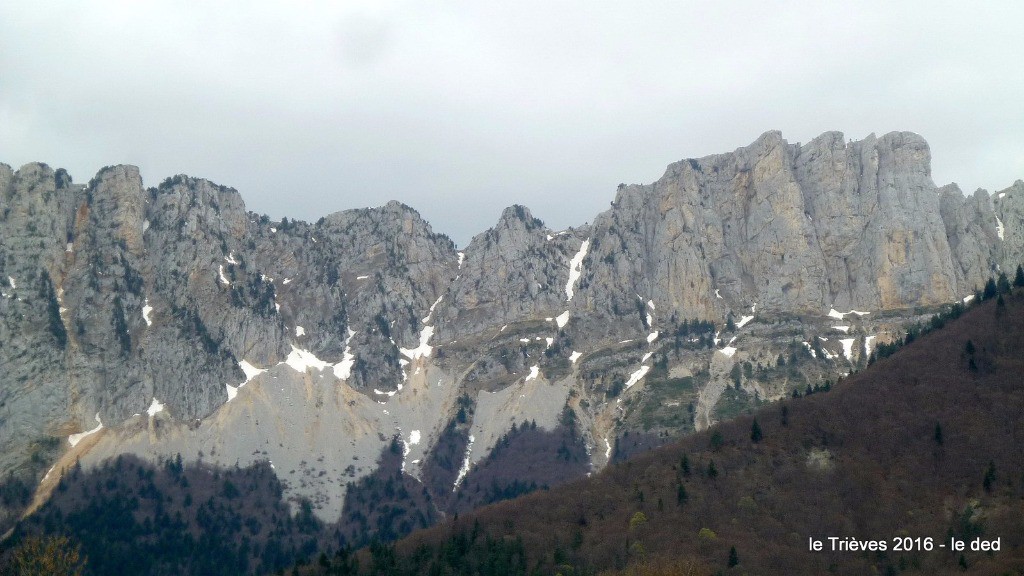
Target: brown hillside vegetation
[(923, 444)]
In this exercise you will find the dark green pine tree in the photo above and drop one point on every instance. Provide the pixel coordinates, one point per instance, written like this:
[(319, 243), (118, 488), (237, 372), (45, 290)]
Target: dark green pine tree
[(734, 558), (990, 477), (990, 289), (938, 434), (1018, 280), (1003, 283), (755, 432)]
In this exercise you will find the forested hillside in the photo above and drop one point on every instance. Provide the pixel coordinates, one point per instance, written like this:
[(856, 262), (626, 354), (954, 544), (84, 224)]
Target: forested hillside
[(925, 443)]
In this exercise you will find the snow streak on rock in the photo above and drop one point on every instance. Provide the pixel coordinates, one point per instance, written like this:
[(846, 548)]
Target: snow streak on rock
[(575, 269), (74, 439), (464, 469), (343, 369), (424, 349), (636, 376)]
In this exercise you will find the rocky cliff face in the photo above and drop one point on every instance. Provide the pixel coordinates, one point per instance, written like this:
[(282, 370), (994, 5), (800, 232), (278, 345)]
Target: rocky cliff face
[(169, 319)]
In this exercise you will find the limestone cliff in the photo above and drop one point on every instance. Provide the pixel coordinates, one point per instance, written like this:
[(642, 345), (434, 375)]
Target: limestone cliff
[(139, 314)]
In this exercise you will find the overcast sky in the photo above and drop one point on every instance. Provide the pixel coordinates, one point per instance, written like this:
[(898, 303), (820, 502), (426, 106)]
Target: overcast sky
[(462, 108)]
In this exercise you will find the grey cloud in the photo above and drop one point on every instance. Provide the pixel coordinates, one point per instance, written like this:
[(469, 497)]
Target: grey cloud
[(459, 109)]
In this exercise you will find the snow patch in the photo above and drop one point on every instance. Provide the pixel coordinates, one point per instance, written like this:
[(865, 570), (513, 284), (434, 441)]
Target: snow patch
[(230, 258), (999, 228), (636, 376), (426, 320), (867, 345), (414, 438), (574, 356), (462, 258), (652, 337), (145, 225), (843, 329), (74, 439), (550, 341), (833, 313), (743, 321), (154, 408), (146, 309), (650, 321), (464, 469), (524, 340), (250, 371), (717, 293), (810, 349), (576, 269), (848, 348), (287, 280), (220, 273), (967, 299), (562, 319), (424, 349), (361, 277), (608, 449), (651, 304), (534, 372), (299, 331), (70, 248), (232, 392), (343, 369), (646, 357), (728, 351), (302, 360), (10, 279)]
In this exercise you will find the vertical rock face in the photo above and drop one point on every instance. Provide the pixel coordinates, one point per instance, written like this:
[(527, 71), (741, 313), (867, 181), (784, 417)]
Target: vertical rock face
[(1009, 209), (796, 229), (115, 295), (515, 271), (972, 234)]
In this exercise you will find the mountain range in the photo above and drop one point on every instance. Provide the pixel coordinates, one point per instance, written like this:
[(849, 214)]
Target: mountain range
[(169, 323)]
